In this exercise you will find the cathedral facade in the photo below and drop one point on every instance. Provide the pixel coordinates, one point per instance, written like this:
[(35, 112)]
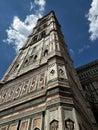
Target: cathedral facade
[(88, 75), (41, 89)]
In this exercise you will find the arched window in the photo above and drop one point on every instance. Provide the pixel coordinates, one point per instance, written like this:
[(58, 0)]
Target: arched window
[(45, 25), (35, 57), (34, 48), (31, 57), (46, 52), (43, 34), (26, 62), (35, 39), (16, 67), (69, 124), (54, 125), (56, 46)]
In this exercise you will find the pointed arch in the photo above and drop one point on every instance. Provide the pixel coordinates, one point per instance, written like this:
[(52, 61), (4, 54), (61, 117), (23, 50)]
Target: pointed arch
[(54, 125), (46, 52), (35, 57)]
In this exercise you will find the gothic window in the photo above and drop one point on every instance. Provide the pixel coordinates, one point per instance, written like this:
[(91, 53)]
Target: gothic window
[(43, 34), (54, 125), (69, 124), (35, 39), (46, 52), (31, 57), (56, 46), (16, 67), (38, 29), (45, 25), (43, 21), (35, 57), (34, 48), (52, 46), (26, 62)]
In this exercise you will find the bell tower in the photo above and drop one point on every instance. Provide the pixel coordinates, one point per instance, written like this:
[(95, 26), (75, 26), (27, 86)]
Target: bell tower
[(41, 90)]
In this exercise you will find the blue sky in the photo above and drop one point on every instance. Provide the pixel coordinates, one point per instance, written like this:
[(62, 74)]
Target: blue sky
[(78, 19)]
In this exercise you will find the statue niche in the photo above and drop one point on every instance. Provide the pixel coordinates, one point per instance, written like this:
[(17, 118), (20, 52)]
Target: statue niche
[(54, 125)]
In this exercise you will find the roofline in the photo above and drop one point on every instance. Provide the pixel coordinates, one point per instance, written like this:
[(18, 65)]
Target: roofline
[(90, 64)]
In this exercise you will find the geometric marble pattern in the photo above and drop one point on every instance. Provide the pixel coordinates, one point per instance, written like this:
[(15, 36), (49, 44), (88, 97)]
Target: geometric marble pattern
[(25, 87), (21, 89), (4, 128), (13, 126), (24, 125), (33, 84), (36, 123)]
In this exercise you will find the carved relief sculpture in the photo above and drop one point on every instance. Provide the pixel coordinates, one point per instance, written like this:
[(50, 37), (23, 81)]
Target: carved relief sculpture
[(33, 84), (25, 87), (17, 91), (10, 93), (3, 96), (52, 72), (42, 80), (54, 125), (62, 72)]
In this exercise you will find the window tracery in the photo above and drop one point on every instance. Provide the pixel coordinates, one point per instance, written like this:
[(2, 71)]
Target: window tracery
[(15, 67)]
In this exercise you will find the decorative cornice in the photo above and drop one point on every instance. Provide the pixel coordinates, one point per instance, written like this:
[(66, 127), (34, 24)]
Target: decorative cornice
[(87, 66)]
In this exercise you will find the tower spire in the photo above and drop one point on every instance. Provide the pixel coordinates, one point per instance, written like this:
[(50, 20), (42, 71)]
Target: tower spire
[(41, 89)]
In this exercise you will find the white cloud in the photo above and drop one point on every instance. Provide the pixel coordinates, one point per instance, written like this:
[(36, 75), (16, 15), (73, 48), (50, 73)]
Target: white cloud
[(19, 30), (71, 51), (40, 3), (31, 6), (93, 19), (85, 47)]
